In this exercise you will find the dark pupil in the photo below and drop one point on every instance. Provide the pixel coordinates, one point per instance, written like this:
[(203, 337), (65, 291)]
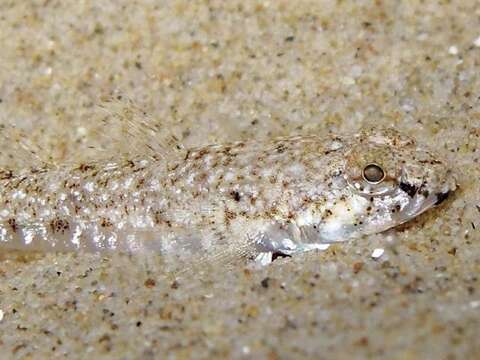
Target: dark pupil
[(373, 173)]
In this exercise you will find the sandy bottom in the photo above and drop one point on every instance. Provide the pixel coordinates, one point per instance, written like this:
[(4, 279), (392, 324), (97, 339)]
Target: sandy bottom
[(209, 72)]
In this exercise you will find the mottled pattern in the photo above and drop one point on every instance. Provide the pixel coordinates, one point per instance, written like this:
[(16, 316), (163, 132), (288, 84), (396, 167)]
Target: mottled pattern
[(286, 195)]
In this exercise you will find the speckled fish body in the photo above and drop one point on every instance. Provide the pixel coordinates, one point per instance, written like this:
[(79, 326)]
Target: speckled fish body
[(281, 196)]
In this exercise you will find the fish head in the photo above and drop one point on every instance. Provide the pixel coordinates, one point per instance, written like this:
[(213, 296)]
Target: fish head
[(394, 179)]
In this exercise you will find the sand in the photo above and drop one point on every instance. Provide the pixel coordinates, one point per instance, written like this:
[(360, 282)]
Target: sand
[(209, 71)]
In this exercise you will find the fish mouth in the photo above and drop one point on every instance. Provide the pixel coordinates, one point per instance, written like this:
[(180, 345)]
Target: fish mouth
[(418, 205), (422, 201)]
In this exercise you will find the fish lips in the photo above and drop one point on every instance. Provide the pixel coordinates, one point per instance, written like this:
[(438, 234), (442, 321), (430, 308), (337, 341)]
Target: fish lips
[(420, 200)]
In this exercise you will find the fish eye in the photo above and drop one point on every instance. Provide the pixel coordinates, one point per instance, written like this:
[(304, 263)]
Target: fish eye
[(373, 174)]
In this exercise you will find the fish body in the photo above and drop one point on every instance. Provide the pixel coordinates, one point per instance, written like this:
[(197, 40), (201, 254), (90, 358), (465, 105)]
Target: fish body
[(283, 196)]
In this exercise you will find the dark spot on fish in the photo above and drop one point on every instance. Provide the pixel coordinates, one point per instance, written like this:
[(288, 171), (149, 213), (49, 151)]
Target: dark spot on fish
[(280, 148), (229, 215), (235, 195), (105, 223), (441, 197), (59, 225), (201, 154), (86, 167), (410, 189), (6, 174), (277, 255), (13, 224)]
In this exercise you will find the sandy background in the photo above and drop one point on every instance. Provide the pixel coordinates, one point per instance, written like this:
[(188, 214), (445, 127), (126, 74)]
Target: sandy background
[(212, 71)]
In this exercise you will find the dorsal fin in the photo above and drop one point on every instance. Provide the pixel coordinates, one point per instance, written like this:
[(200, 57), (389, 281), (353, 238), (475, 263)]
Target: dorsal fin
[(18, 151), (126, 130), (125, 122)]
